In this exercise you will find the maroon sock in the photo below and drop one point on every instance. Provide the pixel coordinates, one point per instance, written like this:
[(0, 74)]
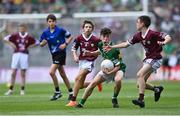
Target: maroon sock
[(73, 98), (141, 97)]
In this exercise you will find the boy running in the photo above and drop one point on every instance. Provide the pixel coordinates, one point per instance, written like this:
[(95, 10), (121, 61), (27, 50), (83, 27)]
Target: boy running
[(152, 41), (85, 41), (57, 39), (115, 75)]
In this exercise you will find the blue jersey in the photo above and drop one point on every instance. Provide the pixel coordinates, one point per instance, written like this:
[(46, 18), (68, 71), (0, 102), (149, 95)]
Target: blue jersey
[(55, 39)]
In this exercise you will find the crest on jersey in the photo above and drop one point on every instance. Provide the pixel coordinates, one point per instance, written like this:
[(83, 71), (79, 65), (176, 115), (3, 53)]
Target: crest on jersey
[(144, 42), (92, 45), (86, 44)]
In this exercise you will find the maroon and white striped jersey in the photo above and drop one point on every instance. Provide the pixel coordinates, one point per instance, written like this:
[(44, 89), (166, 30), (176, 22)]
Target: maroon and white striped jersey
[(22, 42), (149, 42), (90, 44)]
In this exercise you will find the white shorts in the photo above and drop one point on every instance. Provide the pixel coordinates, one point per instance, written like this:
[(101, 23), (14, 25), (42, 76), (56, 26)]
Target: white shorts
[(85, 64), (155, 64), (19, 61), (108, 78)]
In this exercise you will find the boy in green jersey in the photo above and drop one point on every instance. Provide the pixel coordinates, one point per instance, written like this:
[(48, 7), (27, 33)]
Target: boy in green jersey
[(115, 74)]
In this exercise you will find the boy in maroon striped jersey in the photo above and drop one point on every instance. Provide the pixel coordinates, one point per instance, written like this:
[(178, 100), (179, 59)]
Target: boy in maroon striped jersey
[(21, 42), (152, 42), (85, 41)]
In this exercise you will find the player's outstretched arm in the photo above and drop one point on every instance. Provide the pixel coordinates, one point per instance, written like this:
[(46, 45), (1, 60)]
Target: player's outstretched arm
[(43, 43), (121, 45)]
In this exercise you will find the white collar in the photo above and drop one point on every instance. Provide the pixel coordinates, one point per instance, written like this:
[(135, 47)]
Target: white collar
[(23, 36), (85, 37), (143, 36)]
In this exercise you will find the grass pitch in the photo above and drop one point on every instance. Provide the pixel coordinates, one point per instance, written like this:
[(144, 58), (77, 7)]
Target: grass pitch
[(36, 101)]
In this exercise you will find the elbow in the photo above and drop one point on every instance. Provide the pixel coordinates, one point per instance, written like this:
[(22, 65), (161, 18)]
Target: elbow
[(126, 45)]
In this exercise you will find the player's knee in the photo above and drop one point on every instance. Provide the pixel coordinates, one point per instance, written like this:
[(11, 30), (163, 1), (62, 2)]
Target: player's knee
[(92, 85), (137, 86), (62, 74), (140, 75), (77, 79), (118, 80), (13, 74), (52, 73)]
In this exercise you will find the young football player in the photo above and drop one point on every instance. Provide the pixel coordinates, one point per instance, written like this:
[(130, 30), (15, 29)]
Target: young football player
[(21, 42), (116, 74), (85, 41), (57, 39), (152, 41)]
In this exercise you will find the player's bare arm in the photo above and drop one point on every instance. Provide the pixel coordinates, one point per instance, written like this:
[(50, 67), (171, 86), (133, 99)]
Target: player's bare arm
[(121, 45), (75, 56), (91, 53), (10, 43), (114, 70), (43, 43), (63, 46), (167, 40), (68, 40), (34, 45)]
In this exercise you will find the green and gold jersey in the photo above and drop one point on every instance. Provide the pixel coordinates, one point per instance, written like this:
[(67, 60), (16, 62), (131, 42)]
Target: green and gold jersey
[(114, 55)]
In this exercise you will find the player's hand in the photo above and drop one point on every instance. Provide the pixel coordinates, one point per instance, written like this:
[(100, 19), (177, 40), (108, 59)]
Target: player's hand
[(161, 43), (43, 43), (76, 59), (107, 48), (86, 53), (62, 46), (106, 71)]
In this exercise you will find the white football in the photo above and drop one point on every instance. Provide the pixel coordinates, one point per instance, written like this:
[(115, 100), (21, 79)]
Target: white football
[(107, 64)]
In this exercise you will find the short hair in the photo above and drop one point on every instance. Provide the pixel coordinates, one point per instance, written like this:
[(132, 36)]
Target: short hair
[(51, 16), (88, 22), (146, 20), (105, 31), (23, 25)]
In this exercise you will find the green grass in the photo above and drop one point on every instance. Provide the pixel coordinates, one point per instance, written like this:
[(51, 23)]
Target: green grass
[(36, 101)]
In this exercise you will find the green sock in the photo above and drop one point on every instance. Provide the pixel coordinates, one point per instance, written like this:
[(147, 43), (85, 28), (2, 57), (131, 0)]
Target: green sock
[(115, 95), (82, 101)]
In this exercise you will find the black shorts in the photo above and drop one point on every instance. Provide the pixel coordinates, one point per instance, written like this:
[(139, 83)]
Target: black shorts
[(59, 58)]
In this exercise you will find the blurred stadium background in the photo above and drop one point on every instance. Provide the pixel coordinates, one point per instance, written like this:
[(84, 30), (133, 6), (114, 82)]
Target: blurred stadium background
[(119, 15)]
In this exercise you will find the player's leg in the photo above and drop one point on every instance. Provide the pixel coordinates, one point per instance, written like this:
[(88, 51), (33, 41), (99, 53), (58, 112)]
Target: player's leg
[(117, 87), (23, 81), (52, 72), (142, 84), (88, 91), (85, 85), (23, 66), (12, 82), (157, 89), (66, 80), (100, 87), (79, 83), (14, 67)]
